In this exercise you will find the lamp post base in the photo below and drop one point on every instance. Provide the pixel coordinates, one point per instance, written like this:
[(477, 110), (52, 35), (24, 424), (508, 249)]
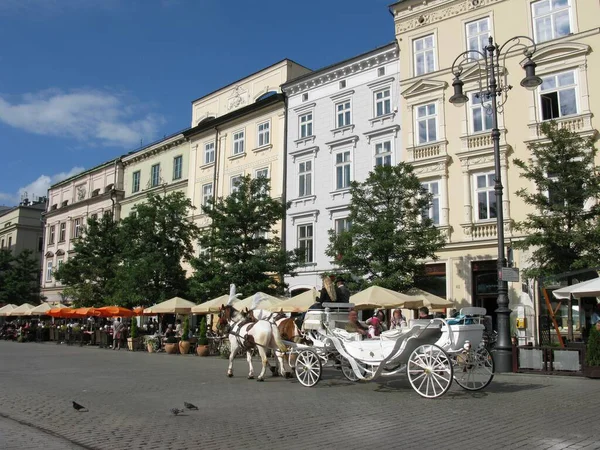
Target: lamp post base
[(503, 359)]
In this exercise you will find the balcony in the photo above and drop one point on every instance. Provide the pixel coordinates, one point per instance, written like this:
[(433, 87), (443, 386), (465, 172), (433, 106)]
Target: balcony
[(480, 141), (427, 151), (581, 123), (481, 231)]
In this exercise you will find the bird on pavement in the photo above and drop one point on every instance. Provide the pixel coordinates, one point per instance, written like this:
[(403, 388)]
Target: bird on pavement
[(176, 411), (190, 406), (79, 407)]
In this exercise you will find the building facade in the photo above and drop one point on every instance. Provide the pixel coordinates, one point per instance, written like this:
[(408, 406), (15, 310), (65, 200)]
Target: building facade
[(452, 145), (21, 228), (93, 193), (343, 120), (236, 131)]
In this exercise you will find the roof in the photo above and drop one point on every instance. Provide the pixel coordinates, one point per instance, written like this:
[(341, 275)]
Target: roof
[(158, 141), (209, 124), (248, 76), (99, 166), (317, 72)]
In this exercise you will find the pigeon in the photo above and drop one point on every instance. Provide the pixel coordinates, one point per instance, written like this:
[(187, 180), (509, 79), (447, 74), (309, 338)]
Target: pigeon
[(190, 406), (176, 411), (79, 407)]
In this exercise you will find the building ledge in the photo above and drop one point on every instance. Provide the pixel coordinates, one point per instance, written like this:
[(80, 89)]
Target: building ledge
[(427, 151), (262, 148), (238, 156)]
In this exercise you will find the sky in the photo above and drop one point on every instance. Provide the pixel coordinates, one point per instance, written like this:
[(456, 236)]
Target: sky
[(85, 81)]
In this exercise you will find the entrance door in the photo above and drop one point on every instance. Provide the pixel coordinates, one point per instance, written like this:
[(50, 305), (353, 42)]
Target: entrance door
[(486, 292)]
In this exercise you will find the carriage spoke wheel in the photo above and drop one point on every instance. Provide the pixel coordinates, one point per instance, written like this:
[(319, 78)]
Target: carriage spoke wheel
[(347, 370), (429, 371), (474, 369), (308, 368)]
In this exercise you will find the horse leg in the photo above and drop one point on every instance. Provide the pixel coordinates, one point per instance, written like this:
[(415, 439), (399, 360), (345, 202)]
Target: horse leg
[(249, 359), (232, 349), (265, 363)]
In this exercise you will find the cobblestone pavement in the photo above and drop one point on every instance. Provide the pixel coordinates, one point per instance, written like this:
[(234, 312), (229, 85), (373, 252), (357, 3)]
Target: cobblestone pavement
[(129, 396)]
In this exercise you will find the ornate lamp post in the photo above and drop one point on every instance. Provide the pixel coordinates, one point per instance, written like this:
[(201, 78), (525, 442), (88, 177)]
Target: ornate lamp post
[(493, 86)]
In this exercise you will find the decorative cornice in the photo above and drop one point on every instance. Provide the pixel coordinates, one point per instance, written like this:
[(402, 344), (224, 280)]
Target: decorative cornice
[(162, 146), (119, 194)]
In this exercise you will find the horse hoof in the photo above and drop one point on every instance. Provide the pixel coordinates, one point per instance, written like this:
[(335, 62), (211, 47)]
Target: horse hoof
[(229, 375), (251, 377), (260, 379)]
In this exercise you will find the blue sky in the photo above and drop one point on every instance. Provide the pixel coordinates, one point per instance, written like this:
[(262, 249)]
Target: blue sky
[(83, 81)]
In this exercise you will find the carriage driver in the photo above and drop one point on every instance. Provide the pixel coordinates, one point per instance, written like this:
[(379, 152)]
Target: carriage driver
[(354, 326)]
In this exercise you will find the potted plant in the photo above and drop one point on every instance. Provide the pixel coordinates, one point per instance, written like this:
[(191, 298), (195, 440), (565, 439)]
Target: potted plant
[(152, 343), (171, 345), (592, 354), (132, 339), (184, 343), (202, 348)]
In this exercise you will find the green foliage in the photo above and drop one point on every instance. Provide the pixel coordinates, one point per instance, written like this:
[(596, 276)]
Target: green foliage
[(562, 229), (241, 246), (592, 354), (202, 339), (134, 328), (388, 238), (19, 278), (185, 333)]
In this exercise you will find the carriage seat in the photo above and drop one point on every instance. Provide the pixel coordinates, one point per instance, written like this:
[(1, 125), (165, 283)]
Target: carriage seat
[(392, 335), (346, 335)]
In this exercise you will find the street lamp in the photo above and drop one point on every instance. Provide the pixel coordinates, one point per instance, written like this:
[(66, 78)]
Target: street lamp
[(493, 85)]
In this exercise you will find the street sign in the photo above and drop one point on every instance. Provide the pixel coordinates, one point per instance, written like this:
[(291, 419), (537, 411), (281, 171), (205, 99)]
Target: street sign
[(510, 274)]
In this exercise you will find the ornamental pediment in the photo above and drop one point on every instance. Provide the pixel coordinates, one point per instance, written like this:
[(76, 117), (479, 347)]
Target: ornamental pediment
[(560, 51), (423, 87)]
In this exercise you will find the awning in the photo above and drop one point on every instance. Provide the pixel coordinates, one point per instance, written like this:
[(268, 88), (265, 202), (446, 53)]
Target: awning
[(298, 303), (176, 305), (211, 306), (589, 288)]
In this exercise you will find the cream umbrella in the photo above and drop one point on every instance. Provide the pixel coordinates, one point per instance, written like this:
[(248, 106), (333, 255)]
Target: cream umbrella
[(42, 309), (21, 310), (6, 309), (298, 303), (264, 301), (420, 298), (379, 297), (176, 305), (211, 306)]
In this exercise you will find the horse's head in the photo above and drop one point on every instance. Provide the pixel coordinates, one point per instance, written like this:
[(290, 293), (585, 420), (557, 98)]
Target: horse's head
[(225, 314)]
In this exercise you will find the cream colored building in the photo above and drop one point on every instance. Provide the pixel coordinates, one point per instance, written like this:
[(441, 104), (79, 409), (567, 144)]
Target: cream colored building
[(161, 167), (239, 130), (452, 146), (71, 203), (21, 227)]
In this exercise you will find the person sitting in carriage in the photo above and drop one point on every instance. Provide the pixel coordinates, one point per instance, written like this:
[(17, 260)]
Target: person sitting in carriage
[(354, 326), (374, 329)]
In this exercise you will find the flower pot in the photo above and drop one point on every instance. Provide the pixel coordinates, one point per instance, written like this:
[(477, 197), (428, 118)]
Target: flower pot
[(202, 350), (171, 349), (150, 348), (184, 347)]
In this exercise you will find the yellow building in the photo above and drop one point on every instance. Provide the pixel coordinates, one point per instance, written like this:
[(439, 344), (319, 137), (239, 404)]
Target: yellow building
[(451, 146), (239, 130)]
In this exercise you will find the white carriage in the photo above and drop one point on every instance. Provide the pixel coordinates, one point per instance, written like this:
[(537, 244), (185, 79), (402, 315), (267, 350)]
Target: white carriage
[(431, 352)]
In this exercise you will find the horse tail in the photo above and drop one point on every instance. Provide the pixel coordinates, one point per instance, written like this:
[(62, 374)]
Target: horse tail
[(277, 338)]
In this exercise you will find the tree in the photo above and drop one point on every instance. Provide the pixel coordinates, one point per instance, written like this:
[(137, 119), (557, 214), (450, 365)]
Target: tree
[(89, 276), (23, 280), (389, 236), (562, 227), (6, 260), (241, 246), (155, 240)]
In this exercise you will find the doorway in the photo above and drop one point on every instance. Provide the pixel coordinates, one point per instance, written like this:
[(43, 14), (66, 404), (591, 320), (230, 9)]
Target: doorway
[(485, 288)]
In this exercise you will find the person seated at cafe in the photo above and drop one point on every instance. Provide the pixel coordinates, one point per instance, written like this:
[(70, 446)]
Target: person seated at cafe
[(354, 326), (424, 313), (178, 328), (170, 332)]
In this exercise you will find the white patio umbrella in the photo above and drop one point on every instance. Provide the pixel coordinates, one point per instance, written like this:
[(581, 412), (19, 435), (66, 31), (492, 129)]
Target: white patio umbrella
[(211, 306), (379, 297), (21, 310), (42, 309), (424, 298), (589, 288), (176, 305), (298, 303), (6, 309)]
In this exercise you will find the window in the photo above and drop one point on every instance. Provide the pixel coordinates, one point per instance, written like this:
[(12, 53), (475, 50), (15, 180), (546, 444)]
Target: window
[(209, 153), (59, 263), (177, 167), (342, 225), (343, 114), (62, 235), (94, 216), (49, 271), (305, 243), (551, 19), (481, 117), (424, 51), (343, 84), (486, 197), (381, 71), (342, 170), (383, 103), (155, 175), (304, 97), (264, 134), (9, 242), (306, 125), (264, 173), (238, 143), (207, 194), (52, 235), (383, 153), (77, 227), (433, 212), (558, 96), (305, 178), (427, 123), (478, 33), (235, 182), (135, 183)]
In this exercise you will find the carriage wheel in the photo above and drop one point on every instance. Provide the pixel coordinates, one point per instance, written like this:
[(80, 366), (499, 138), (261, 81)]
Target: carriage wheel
[(474, 370), (347, 370), (308, 368), (429, 371)]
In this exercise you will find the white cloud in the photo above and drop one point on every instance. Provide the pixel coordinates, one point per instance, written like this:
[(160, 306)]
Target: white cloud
[(37, 188), (90, 116)]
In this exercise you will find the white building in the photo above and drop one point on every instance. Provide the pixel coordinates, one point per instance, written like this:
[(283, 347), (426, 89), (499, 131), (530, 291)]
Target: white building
[(342, 121)]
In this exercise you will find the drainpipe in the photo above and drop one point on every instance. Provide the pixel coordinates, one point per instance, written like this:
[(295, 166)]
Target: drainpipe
[(284, 176), (215, 176)]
